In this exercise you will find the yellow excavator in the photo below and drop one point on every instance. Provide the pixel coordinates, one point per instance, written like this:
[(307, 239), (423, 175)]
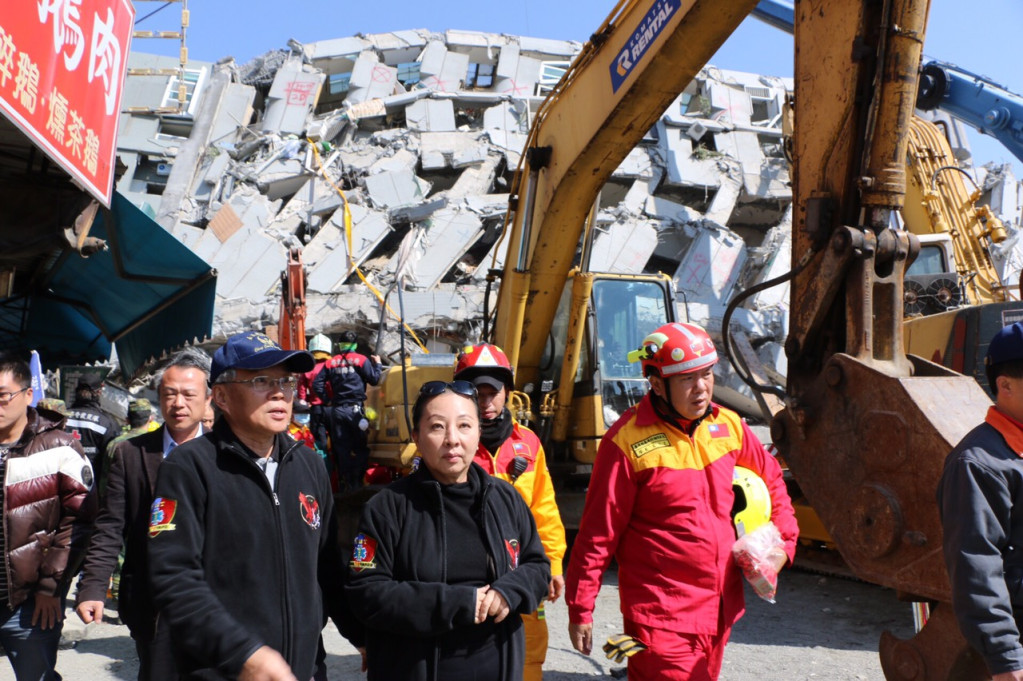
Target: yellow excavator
[(865, 427)]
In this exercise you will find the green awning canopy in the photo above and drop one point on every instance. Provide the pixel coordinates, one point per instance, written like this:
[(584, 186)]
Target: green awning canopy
[(145, 294)]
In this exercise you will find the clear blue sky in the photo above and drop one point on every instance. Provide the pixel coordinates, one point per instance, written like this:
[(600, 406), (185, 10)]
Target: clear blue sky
[(982, 35)]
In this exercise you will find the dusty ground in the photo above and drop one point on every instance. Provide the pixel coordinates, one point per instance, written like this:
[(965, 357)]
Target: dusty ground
[(820, 628)]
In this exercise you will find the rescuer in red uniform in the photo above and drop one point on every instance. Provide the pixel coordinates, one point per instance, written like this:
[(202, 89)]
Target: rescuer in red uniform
[(659, 502), (512, 452)]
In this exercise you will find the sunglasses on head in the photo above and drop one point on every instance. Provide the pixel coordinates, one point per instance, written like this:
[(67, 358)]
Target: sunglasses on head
[(434, 388)]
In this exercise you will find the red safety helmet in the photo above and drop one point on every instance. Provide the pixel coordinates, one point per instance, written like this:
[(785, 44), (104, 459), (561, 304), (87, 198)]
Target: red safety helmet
[(484, 360), (676, 348)]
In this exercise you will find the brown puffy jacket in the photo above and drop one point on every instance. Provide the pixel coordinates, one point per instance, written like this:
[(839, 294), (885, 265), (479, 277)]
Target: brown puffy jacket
[(48, 508)]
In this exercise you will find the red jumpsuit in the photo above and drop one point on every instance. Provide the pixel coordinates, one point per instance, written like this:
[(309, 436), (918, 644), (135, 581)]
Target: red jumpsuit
[(537, 490), (659, 501)]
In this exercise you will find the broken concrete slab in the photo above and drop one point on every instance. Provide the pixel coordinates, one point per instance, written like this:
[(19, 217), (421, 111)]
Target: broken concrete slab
[(326, 255), (711, 266), (396, 188), (623, 247), (449, 234), (431, 115), (371, 79), (292, 98)]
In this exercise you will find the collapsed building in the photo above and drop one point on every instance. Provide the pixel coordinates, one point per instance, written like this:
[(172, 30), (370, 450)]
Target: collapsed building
[(417, 135)]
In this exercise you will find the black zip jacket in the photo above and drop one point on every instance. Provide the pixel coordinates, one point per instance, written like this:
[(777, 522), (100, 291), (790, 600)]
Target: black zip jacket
[(980, 499), (235, 565), (397, 576)]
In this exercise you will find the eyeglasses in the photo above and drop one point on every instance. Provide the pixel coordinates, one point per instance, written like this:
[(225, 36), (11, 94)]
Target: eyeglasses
[(434, 388), (264, 384), (6, 397)]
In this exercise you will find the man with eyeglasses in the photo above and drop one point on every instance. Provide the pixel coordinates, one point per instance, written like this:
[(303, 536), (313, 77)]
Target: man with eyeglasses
[(47, 516), (243, 559), (124, 516)]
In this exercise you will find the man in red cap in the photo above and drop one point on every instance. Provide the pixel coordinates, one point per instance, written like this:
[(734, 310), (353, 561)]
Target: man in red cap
[(659, 501)]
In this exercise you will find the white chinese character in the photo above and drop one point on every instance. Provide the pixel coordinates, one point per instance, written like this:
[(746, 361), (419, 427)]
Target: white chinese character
[(105, 58), (26, 83), (74, 134), (7, 50), (91, 151), (67, 34), (57, 120)]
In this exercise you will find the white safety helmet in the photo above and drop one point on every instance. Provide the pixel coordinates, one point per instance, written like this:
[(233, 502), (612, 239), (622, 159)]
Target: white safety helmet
[(319, 343)]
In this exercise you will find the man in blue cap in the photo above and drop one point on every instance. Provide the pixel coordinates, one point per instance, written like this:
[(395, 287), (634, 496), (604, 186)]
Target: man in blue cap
[(980, 499), (243, 559)]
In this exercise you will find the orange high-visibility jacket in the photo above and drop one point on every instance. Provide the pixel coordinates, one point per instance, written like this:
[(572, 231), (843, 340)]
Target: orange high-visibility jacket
[(535, 486)]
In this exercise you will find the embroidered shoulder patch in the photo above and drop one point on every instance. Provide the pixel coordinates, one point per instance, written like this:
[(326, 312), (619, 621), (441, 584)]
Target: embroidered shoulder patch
[(363, 553), (310, 509), (161, 516), (513, 552), (650, 444)]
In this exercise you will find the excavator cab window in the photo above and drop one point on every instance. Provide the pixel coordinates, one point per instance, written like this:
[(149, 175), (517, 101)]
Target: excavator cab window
[(624, 312), (931, 260)]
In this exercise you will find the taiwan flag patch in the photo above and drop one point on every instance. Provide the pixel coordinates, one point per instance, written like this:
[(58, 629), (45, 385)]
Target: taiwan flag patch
[(717, 430), (363, 553), (161, 516)]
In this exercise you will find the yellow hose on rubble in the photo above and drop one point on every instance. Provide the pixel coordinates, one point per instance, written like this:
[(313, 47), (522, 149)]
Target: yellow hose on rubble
[(348, 240)]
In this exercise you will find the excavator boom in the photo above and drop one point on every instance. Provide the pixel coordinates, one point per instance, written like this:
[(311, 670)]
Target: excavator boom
[(866, 428), (632, 68)]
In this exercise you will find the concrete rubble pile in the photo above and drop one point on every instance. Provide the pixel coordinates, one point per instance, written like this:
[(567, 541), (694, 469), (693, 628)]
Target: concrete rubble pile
[(422, 133)]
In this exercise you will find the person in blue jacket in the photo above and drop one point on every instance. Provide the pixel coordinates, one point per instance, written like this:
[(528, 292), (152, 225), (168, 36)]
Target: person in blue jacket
[(446, 559), (341, 386)]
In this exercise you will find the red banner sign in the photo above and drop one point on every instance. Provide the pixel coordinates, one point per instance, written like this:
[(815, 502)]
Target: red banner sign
[(62, 67)]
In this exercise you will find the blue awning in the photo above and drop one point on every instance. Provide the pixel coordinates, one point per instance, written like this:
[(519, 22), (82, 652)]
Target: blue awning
[(146, 294)]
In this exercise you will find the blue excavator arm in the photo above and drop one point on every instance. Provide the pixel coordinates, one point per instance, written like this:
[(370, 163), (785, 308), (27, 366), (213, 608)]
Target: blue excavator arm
[(974, 99)]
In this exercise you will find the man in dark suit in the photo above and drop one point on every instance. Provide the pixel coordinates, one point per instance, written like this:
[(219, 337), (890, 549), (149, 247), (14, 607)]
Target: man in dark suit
[(124, 516)]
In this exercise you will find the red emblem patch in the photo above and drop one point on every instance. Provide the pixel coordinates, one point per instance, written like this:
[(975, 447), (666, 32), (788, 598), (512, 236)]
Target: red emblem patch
[(161, 516), (364, 553), (513, 551), (310, 510)]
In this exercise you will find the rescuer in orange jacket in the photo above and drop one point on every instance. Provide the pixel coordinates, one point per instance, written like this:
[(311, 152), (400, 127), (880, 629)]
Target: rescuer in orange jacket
[(659, 501), (513, 453)]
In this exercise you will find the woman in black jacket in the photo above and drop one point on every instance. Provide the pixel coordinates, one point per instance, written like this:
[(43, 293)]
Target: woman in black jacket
[(445, 556)]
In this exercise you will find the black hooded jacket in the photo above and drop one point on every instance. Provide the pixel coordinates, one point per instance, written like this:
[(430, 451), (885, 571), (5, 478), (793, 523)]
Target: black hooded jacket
[(397, 577), (236, 565)]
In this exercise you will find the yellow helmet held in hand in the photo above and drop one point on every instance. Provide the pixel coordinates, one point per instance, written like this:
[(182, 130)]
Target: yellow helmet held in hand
[(752, 506)]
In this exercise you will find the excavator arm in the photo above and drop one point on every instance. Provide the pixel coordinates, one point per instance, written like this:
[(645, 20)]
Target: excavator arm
[(866, 428), (637, 62)]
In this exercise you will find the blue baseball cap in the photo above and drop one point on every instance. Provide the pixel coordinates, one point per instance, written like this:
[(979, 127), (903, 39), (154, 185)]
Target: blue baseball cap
[(1006, 346), (254, 350)]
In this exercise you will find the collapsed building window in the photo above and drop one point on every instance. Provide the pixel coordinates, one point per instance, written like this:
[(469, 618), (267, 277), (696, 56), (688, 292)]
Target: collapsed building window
[(480, 76), (338, 83), (181, 92), (408, 73), (550, 73), (766, 107)]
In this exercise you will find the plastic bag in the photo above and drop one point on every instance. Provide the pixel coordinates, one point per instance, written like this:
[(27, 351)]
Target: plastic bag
[(755, 553)]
